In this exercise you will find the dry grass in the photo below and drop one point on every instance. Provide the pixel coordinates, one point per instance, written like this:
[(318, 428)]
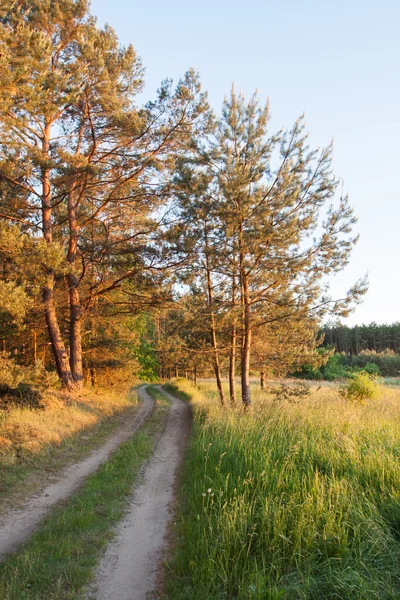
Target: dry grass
[(27, 431)]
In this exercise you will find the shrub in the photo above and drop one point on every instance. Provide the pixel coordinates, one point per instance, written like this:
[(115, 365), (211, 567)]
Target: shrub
[(332, 370), (293, 392), (371, 368), (363, 386), (11, 374)]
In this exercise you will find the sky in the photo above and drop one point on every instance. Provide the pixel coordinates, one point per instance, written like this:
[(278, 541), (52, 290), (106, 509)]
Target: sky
[(338, 62)]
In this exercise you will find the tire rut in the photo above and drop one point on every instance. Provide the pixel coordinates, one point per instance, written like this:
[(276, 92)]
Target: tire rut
[(130, 566)]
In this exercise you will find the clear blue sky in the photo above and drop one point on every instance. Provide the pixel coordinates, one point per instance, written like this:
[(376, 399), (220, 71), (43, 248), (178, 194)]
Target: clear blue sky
[(337, 61)]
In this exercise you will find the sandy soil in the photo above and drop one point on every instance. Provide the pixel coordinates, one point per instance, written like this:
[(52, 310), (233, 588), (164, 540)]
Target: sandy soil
[(17, 525), (129, 569)]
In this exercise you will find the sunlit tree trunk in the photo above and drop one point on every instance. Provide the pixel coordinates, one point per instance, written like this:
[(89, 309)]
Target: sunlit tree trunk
[(57, 344), (232, 355), (213, 330), (75, 329)]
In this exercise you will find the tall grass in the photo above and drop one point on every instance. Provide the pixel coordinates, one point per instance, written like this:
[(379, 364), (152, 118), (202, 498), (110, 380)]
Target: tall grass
[(292, 501)]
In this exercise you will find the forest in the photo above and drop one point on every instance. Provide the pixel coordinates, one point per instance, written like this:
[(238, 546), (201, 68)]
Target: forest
[(164, 258)]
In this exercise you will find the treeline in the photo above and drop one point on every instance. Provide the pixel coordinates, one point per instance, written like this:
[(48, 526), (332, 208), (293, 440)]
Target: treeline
[(359, 338), (160, 235), (340, 366)]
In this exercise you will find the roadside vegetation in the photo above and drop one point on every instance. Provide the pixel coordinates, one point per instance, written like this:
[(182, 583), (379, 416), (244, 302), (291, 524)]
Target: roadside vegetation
[(42, 428), (58, 561), (294, 500)]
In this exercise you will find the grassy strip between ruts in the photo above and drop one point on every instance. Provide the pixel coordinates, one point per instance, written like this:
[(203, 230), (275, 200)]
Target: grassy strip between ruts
[(294, 501), (58, 561)]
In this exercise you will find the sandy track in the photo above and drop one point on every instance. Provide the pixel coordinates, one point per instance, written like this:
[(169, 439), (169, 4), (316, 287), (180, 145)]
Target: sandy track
[(130, 566), (17, 525)]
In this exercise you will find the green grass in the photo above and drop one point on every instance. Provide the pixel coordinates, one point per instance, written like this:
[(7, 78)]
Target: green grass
[(155, 393), (293, 501), (178, 389), (58, 560)]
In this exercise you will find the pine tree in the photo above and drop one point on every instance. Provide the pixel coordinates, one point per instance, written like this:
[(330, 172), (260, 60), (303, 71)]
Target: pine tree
[(278, 234), (88, 167), (287, 233)]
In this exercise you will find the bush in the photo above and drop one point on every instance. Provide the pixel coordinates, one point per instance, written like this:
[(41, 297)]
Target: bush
[(11, 374), (293, 392), (332, 370), (363, 386), (371, 368)]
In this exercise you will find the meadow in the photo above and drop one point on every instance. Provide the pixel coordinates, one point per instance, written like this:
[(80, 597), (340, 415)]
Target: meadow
[(297, 500)]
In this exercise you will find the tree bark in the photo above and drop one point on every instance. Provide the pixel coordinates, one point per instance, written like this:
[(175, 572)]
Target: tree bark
[(232, 354), (195, 375), (262, 380), (59, 351), (246, 350), (214, 343), (93, 376), (57, 344), (246, 323), (75, 307), (34, 345)]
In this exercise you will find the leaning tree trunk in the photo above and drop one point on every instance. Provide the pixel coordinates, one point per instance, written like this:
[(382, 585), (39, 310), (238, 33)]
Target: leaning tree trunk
[(57, 344), (75, 307)]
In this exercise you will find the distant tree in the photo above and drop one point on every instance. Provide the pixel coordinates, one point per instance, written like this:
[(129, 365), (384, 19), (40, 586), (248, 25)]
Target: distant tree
[(354, 340)]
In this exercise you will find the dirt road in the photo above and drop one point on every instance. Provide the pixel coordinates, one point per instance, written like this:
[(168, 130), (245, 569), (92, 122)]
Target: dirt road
[(17, 525), (130, 565)]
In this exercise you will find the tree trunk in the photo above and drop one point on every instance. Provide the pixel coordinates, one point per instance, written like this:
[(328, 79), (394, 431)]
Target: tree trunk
[(93, 376), (34, 344), (57, 344), (232, 354), (217, 366), (75, 333), (60, 353), (246, 395), (195, 375), (262, 380), (75, 307)]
